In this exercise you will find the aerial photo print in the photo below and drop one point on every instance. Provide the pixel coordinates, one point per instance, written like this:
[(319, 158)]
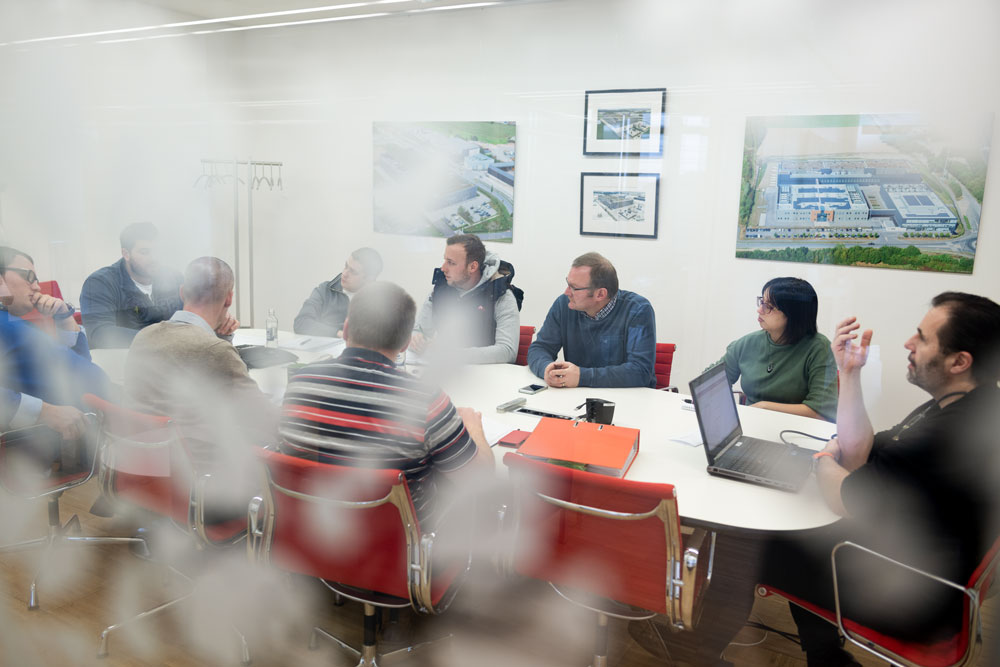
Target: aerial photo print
[(899, 191)]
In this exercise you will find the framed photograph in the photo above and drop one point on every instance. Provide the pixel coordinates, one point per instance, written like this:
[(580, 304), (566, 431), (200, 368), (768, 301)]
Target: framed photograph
[(441, 178), (890, 191), (624, 122), (625, 205)]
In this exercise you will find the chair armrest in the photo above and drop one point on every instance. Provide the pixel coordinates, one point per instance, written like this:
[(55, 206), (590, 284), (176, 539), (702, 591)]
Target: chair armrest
[(457, 516), (196, 514), (696, 575), (972, 594), (255, 530)]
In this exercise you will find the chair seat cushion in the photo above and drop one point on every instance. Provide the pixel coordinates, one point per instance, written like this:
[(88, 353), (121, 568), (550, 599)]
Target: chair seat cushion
[(941, 653)]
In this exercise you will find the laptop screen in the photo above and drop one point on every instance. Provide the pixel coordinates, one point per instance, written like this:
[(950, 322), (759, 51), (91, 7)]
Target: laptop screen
[(715, 407)]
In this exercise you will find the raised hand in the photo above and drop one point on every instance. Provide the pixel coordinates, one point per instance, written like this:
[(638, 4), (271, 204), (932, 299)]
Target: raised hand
[(850, 356)]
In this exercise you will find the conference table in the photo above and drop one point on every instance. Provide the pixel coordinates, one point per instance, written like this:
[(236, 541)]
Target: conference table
[(670, 449)]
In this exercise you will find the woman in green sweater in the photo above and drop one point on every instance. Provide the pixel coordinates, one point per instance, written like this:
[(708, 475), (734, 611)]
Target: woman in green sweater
[(786, 366)]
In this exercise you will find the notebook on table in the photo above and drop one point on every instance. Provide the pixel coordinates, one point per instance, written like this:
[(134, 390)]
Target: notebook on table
[(737, 456)]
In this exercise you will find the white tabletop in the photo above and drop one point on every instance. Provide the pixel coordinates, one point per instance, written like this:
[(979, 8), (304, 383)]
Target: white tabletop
[(658, 415), (306, 348), (702, 498)]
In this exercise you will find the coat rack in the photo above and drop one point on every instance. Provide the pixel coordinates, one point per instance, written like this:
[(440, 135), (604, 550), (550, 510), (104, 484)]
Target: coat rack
[(258, 174)]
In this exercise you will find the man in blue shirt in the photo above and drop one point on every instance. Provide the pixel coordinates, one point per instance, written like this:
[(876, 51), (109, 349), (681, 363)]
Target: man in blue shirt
[(608, 336), (42, 378), (134, 292)]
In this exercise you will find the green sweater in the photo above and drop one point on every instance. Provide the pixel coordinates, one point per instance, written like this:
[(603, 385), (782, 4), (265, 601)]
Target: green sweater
[(801, 373)]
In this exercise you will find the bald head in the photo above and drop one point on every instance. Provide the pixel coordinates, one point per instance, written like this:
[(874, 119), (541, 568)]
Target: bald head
[(208, 281)]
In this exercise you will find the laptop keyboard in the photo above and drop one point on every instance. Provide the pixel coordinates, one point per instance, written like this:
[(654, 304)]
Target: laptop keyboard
[(759, 460)]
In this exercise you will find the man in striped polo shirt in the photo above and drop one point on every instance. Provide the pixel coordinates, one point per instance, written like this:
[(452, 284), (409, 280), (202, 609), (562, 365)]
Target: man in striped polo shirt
[(360, 410)]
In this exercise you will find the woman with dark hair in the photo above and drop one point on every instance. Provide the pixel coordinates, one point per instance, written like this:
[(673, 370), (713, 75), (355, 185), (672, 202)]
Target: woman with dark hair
[(786, 366)]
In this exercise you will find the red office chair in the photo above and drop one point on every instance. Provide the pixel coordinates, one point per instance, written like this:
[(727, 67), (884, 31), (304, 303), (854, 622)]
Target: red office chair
[(607, 544), (524, 342), (26, 457), (961, 649), (662, 365), (143, 464), (356, 530)]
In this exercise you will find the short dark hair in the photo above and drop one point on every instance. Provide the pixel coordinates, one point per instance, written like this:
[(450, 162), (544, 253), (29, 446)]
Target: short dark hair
[(8, 255), (475, 251), (797, 299), (973, 326), (138, 231), (207, 280), (602, 272), (381, 317), (370, 261)]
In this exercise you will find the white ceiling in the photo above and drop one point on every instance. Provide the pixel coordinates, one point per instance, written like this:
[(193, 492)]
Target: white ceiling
[(224, 8)]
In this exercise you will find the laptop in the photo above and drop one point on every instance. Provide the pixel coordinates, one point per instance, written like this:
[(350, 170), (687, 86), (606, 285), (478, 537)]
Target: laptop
[(734, 455)]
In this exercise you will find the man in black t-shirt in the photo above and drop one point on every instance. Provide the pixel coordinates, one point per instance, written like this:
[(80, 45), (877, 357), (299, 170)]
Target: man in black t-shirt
[(921, 492)]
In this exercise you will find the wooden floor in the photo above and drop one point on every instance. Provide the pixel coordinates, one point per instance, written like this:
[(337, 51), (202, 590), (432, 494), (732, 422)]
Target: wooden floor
[(85, 589)]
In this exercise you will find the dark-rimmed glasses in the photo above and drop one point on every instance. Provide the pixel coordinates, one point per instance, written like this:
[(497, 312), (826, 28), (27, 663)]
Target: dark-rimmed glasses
[(765, 307), (577, 289), (28, 274)]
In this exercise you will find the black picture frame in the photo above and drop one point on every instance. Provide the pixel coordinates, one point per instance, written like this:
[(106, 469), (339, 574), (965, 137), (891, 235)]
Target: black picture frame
[(604, 214), (631, 109)]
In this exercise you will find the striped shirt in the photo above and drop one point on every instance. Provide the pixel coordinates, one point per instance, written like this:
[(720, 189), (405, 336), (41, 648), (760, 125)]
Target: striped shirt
[(360, 410)]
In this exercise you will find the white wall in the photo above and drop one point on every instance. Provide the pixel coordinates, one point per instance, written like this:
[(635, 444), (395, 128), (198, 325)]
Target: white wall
[(307, 96)]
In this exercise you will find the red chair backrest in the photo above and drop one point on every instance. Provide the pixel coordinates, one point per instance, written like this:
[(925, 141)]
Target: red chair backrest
[(144, 461), (625, 560), (364, 547), (664, 361), (524, 342)]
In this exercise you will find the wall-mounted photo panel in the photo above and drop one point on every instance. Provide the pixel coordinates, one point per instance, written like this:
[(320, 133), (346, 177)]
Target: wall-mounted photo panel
[(624, 205), (624, 122), (444, 178), (900, 191)]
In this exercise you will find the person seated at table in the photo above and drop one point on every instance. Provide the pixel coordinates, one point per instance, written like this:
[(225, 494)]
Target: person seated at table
[(134, 292), (473, 311), (923, 493), (324, 312), (43, 379), (360, 410), (786, 366), (187, 369), (607, 335)]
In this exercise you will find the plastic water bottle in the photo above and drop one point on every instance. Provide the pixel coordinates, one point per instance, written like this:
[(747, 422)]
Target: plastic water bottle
[(271, 324)]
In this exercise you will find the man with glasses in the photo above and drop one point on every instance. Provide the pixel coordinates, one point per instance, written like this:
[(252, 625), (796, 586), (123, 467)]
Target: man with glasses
[(324, 312), (43, 378), (607, 335), (134, 292)]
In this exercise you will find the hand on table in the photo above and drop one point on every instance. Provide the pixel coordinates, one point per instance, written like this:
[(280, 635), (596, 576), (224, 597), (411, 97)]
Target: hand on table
[(562, 374), (473, 420), (850, 357), (69, 422)]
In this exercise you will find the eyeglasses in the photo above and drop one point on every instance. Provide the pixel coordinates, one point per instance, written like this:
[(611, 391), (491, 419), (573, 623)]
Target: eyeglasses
[(29, 275), (765, 307), (577, 289)]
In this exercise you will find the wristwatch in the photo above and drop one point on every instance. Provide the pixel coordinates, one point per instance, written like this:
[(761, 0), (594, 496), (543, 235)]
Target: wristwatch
[(70, 309)]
